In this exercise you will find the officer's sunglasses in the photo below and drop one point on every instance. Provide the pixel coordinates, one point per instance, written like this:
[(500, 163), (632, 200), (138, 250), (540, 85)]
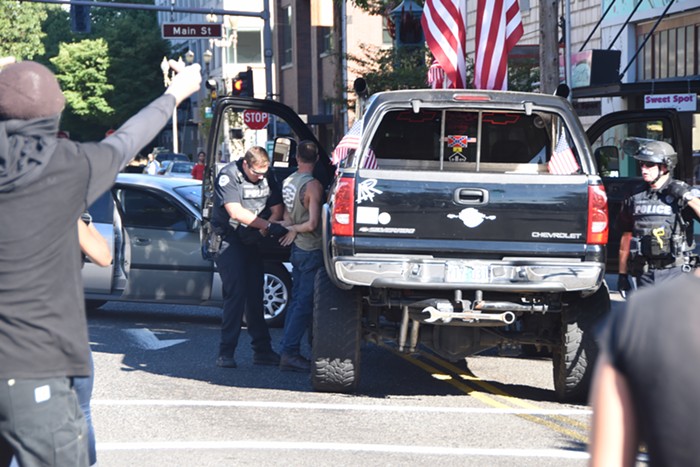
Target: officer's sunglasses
[(647, 164), (261, 173)]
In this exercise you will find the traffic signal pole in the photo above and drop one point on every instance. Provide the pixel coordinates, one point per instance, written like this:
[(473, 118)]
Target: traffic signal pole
[(264, 15)]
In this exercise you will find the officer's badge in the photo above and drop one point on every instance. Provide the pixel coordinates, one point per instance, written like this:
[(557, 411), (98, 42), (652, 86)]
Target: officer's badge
[(223, 180)]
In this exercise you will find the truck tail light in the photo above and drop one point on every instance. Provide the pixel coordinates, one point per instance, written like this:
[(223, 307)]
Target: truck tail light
[(598, 226), (343, 213)]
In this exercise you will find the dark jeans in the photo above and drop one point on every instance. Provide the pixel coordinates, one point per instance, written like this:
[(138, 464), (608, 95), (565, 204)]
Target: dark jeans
[(242, 278), (655, 276), (300, 312), (41, 423), (83, 389)]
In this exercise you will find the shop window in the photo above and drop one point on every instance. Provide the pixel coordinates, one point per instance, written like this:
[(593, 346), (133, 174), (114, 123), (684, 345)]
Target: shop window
[(286, 31)]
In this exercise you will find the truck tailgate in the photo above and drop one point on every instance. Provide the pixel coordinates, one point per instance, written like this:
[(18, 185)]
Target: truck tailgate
[(471, 215)]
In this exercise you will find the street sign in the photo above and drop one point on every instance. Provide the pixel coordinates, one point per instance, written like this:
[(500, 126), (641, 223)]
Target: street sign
[(255, 119), (177, 31)]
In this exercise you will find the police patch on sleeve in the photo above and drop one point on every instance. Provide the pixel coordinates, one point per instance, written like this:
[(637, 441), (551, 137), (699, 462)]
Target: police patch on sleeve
[(224, 180)]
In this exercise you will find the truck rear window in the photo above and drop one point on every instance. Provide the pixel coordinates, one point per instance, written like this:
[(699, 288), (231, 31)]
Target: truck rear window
[(471, 141)]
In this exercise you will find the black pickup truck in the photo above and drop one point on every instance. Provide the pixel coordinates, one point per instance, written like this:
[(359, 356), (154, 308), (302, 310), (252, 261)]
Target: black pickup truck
[(463, 221), (483, 223)]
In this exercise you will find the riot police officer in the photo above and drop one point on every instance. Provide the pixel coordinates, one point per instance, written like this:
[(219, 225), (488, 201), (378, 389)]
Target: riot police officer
[(244, 190), (656, 220)]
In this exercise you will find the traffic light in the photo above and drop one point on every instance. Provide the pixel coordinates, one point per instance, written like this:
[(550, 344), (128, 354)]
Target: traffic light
[(242, 84), (212, 86), (80, 19)]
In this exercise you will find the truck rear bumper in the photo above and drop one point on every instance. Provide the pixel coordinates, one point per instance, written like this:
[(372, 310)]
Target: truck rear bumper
[(516, 275)]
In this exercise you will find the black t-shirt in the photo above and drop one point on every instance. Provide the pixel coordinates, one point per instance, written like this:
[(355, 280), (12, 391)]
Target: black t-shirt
[(654, 343), (43, 331)]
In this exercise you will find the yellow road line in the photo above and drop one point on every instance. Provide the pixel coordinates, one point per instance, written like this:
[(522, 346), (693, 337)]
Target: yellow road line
[(482, 397), (469, 376)]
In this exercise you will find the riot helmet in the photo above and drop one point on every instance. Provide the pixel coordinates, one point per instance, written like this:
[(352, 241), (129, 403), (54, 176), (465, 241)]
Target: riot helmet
[(651, 150)]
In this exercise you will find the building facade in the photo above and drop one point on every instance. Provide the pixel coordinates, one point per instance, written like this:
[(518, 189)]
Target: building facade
[(310, 74)]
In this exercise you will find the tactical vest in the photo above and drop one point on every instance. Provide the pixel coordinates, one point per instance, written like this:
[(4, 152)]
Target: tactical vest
[(660, 237), (253, 197)]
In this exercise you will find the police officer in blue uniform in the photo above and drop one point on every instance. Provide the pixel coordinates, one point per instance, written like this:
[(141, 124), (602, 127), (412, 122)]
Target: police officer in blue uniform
[(245, 191), (656, 220)]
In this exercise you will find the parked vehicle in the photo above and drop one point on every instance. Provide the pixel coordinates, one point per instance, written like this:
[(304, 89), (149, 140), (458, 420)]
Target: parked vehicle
[(161, 218), (179, 169), (163, 167), (170, 156)]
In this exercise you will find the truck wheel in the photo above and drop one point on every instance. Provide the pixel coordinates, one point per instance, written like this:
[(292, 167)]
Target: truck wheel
[(574, 359), (336, 337)]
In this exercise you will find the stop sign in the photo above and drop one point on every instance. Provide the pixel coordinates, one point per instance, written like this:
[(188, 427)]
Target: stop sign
[(255, 119)]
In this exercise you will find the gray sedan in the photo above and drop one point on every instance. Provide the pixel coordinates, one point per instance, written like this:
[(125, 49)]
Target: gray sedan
[(154, 224)]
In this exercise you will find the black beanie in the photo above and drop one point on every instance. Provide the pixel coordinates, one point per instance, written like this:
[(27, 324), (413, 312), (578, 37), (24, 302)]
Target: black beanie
[(29, 90)]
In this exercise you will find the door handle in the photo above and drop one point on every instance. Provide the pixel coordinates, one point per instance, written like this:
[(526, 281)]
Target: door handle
[(471, 196), (142, 241)]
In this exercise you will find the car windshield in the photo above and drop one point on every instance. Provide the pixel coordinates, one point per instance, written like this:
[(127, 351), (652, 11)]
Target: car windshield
[(182, 167), (192, 193)]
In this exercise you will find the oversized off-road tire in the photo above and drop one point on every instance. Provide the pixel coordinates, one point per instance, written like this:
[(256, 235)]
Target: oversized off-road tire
[(337, 337), (574, 358)]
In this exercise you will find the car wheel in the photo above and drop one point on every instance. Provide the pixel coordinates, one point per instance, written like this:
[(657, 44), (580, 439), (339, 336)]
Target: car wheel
[(276, 294)]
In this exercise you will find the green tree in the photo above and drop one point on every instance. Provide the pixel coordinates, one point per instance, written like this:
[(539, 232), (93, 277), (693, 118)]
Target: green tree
[(57, 31), (136, 49), (387, 69), (133, 49), (20, 29), (81, 69)]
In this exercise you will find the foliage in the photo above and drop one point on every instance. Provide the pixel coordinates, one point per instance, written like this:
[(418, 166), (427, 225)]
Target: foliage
[(388, 69), (20, 29), (81, 69), (136, 49), (57, 31), (377, 7), (523, 76), (133, 49)]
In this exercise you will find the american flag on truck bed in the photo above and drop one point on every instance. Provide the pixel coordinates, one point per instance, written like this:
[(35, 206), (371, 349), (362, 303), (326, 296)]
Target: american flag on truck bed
[(563, 161), (349, 143)]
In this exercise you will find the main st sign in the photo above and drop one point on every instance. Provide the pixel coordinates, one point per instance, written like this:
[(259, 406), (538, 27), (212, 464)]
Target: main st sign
[(181, 31)]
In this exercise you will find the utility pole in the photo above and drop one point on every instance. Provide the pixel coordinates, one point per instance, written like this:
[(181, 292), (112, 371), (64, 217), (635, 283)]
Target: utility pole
[(549, 46)]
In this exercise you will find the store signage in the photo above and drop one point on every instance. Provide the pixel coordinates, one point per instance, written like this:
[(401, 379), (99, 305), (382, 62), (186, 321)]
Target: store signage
[(680, 102)]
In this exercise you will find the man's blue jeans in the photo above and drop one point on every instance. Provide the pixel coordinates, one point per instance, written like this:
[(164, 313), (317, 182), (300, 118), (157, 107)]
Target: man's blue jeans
[(305, 264)]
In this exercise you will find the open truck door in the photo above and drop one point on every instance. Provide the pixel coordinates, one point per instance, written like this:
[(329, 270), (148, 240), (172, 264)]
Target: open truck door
[(620, 173), (241, 122)]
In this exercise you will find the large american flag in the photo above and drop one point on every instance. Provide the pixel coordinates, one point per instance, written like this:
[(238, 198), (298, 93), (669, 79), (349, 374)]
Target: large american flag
[(444, 25), (350, 142), (498, 29), (563, 161)]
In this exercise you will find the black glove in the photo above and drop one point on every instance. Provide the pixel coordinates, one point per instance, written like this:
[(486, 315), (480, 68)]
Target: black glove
[(623, 284), (277, 230), (249, 235), (678, 189)]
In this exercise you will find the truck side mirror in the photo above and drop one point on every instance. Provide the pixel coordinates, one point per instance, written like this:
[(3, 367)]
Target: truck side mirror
[(607, 158), (284, 150)]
